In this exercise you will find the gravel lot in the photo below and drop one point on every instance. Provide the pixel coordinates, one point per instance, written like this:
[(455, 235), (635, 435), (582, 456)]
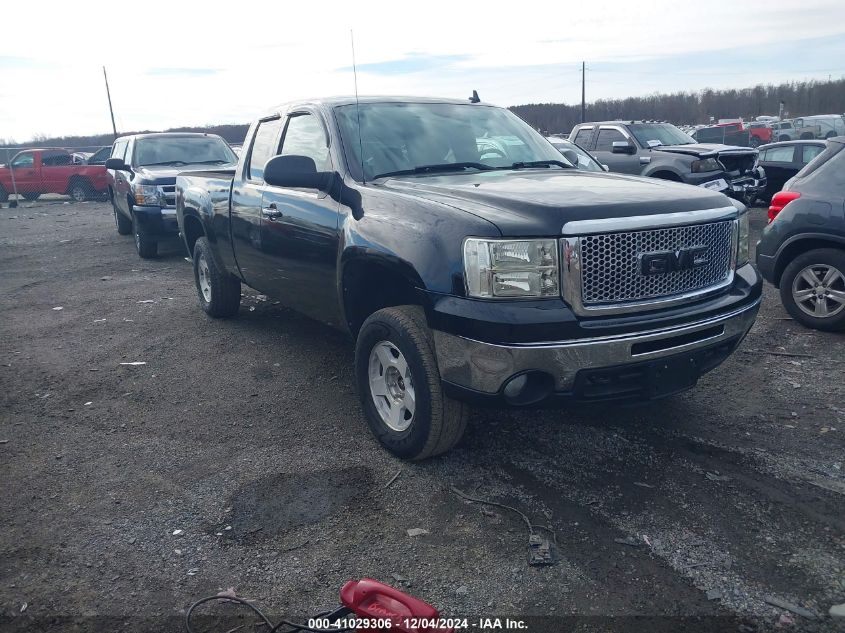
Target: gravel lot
[(246, 435)]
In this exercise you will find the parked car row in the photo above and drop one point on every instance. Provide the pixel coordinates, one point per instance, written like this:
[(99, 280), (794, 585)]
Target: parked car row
[(756, 133)]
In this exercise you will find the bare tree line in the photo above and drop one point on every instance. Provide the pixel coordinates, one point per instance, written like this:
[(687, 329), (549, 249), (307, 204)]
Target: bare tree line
[(799, 98)]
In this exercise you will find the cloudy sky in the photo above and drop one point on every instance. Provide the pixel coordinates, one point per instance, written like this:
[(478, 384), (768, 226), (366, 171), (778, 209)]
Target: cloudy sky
[(184, 63)]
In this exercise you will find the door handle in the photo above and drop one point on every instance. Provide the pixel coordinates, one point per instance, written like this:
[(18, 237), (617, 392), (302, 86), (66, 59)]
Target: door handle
[(271, 212)]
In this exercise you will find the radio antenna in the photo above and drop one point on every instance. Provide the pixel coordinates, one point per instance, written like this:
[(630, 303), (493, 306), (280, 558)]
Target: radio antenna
[(357, 108)]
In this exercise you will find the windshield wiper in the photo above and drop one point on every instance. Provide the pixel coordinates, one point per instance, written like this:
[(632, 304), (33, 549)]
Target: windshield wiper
[(211, 162), (429, 169), (165, 162), (540, 163)]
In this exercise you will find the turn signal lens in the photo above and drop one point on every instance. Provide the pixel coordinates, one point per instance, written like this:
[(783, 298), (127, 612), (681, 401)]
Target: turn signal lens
[(779, 201)]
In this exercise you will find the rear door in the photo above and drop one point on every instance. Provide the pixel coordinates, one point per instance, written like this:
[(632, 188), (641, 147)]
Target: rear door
[(299, 227), (619, 163), (779, 163), (56, 167), (247, 191)]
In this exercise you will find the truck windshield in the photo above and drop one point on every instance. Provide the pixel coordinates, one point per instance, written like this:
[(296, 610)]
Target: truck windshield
[(429, 137), (654, 134), (183, 150)]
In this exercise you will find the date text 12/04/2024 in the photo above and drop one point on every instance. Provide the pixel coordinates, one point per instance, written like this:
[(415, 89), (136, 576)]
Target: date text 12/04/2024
[(481, 624)]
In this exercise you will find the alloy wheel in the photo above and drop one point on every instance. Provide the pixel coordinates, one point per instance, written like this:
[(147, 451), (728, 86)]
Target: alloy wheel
[(392, 386), (819, 291)]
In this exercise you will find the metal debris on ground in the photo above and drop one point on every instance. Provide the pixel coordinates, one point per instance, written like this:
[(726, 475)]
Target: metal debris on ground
[(178, 532), (394, 478), (541, 551), (783, 604), (417, 531), (147, 301), (57, 308), (135, 363), (643, 485), (716, 476)]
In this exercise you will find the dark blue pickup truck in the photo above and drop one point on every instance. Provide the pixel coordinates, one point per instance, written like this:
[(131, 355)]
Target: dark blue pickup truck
[(469, 260)]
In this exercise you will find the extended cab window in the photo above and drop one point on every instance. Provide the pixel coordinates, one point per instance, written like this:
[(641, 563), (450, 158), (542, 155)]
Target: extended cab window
[(583, 137), (24, 160), (55, 160), (607, 138), (263, 147), (305, 137)]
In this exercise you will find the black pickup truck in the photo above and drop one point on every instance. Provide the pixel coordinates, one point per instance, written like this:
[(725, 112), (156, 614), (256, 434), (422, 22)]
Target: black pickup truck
[(469, 261)]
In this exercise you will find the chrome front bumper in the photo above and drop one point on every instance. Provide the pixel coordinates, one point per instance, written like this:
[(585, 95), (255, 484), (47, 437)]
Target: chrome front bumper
[(485, 367)]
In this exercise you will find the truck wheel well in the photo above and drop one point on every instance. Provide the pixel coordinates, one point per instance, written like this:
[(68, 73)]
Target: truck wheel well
[(666, 175), (797, 247), (74, 180), (193, 231), (369, 287)]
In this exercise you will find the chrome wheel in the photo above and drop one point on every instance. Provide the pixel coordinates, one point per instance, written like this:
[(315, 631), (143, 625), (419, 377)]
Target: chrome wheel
[(204, 276), (819, 291), (392, 386)]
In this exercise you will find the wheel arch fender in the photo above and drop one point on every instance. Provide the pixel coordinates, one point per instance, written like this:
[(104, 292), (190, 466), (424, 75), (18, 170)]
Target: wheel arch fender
[(371, 279), (797, 244)]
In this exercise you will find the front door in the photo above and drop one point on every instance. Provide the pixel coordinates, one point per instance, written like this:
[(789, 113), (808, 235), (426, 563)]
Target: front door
[(299, 229), (619, 163), (25, 173)]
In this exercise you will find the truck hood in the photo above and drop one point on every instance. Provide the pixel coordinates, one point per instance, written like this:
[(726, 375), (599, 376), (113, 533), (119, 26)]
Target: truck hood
[(539, 202), (166, 174), (704, 149)]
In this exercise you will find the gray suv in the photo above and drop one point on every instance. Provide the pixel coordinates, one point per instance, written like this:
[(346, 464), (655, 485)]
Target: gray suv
[(661, 150)]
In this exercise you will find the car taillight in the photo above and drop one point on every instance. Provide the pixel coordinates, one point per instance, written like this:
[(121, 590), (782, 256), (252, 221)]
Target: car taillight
[(372, 600), (779, 201)]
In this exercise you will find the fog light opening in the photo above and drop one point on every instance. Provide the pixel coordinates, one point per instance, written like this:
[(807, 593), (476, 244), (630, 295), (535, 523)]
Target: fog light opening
[(528, 388)]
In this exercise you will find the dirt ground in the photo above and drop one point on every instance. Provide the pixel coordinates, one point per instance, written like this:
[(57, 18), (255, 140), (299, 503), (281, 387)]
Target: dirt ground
[(237, 457)]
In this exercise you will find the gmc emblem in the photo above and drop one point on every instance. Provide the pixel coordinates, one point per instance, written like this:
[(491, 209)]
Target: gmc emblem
[(670, 261)]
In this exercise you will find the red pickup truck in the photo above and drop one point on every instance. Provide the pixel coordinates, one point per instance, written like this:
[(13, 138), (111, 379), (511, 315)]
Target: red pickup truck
[(35, 171)]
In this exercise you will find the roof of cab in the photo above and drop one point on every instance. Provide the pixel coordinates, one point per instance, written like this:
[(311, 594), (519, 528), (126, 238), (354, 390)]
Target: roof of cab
[(164, 134), (351, 100)]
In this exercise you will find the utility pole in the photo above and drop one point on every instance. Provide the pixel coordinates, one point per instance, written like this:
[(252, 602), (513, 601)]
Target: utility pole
[(108, 94), (583, 93)]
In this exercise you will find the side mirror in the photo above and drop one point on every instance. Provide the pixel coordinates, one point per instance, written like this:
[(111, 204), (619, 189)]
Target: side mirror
[(117, 164), (623, 147), (605, 167), (294, 172)]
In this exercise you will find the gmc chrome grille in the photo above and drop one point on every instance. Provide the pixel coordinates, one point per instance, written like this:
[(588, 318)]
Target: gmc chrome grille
[(611, 269)]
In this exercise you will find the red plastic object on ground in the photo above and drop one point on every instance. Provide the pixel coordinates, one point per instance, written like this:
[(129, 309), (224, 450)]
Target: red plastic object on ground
[(372, 600)]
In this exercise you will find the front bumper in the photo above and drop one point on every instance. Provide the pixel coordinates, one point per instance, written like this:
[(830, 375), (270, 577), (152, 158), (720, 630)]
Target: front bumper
[(635, 365), (156, 220), (743, 188)]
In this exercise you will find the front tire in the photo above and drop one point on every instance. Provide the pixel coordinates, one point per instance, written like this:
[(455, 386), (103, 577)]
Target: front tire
[(812, 289), (219, 292), (146, 246), (399, 386)]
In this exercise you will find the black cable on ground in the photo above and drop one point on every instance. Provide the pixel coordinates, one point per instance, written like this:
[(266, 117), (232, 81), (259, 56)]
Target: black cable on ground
[(272, 628)]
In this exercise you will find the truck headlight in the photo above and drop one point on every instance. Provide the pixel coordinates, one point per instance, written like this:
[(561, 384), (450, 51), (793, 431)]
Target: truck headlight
[(147, 195), (742, 253), (708, 164), (511, 268)]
